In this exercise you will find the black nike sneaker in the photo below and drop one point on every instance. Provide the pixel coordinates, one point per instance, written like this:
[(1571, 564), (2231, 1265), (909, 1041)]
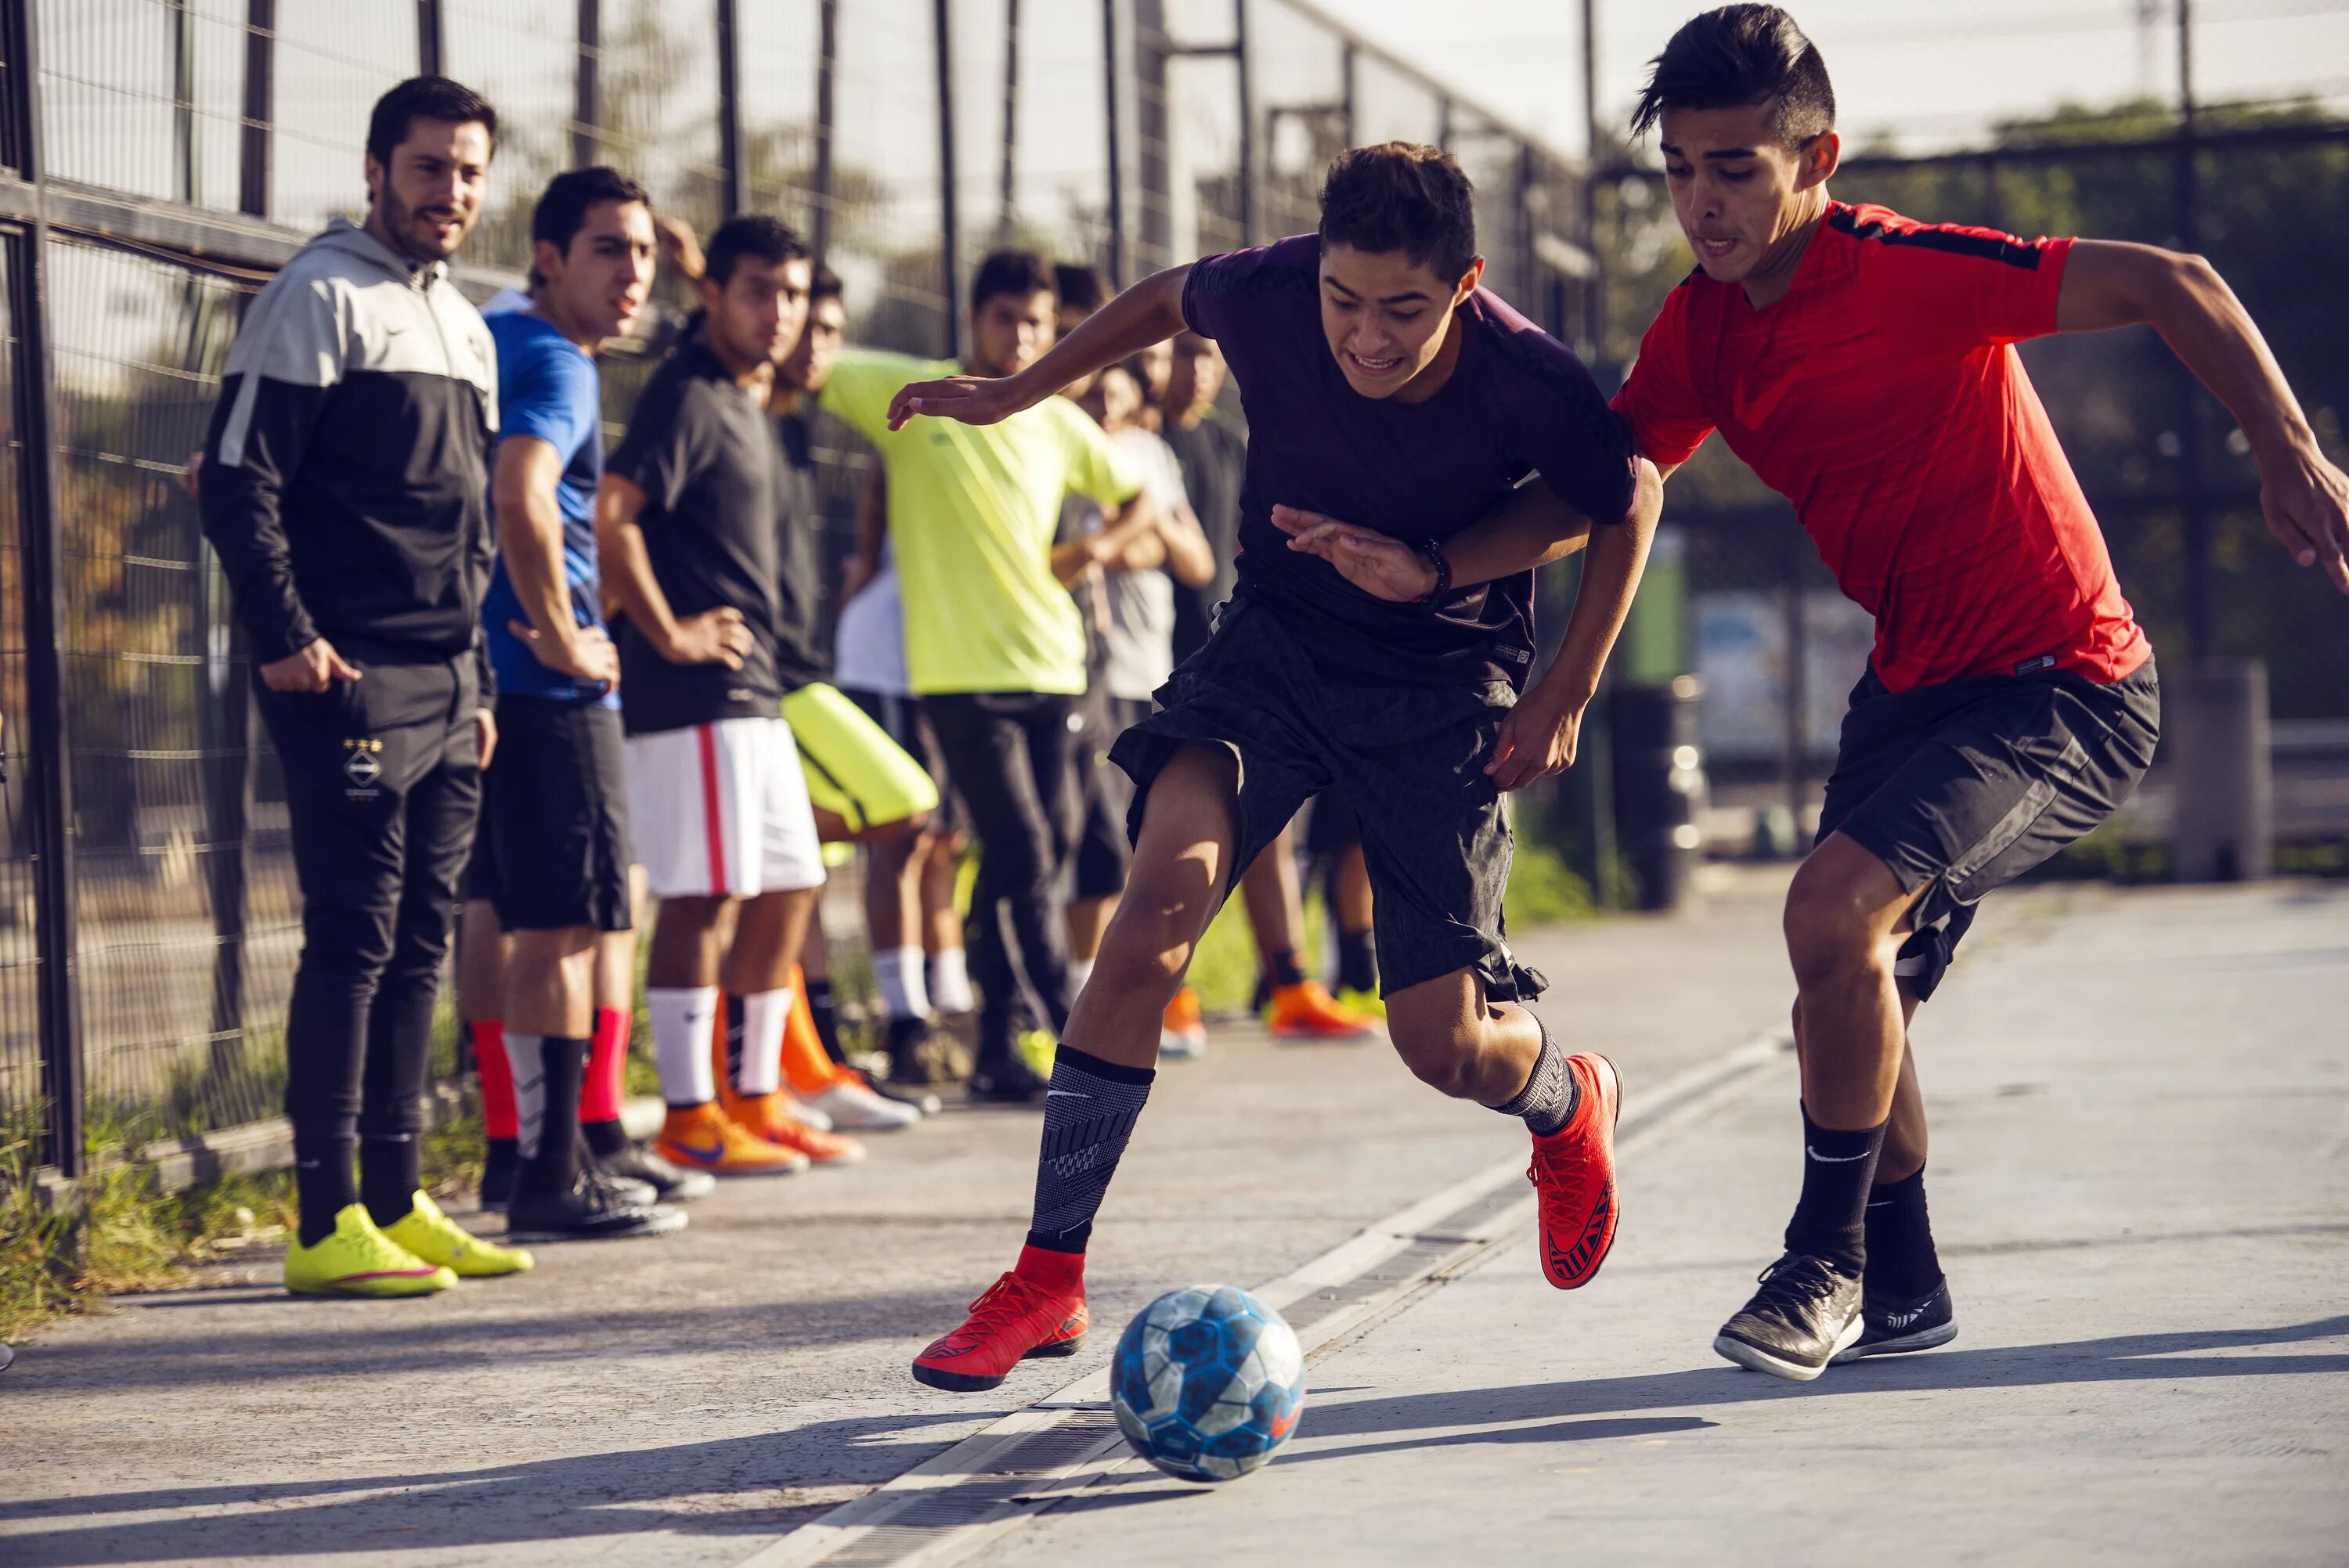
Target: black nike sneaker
[(1893, 1323), (1006, 1081), (663, 1182), (595, 1209), (1806, 1312)]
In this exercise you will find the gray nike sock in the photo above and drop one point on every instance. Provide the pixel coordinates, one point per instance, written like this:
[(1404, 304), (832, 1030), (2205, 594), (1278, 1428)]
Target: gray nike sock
[(1087, 1116), (1547, 1101)]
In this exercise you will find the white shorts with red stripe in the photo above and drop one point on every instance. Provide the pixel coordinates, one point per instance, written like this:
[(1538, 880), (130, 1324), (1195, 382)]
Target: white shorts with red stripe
[(721, 810)]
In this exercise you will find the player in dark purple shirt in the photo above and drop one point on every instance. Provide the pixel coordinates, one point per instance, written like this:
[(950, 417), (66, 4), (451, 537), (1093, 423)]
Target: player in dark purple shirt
[(1386, 652)]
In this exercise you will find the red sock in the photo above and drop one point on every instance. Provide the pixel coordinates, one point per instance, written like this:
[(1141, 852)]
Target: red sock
[(599, 1094), (1063, 1274), (500, 1119)]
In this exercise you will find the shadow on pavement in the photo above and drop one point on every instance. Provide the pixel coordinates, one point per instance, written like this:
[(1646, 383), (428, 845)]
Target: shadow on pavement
[(2164, 1358), (1557, 1432), (582, 1497)]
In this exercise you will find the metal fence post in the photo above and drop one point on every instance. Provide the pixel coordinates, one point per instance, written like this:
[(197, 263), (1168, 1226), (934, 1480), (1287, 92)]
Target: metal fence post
[(50, 770), (1110, 75), (730, 110), (827, 47), (430, 51), (1248, 221), (584, 114), (951, 261), (253, 162)]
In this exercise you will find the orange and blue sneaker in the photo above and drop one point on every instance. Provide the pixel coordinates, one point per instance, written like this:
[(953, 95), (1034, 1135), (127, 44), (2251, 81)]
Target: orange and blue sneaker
[(771, 1118), (1183, 1032), (704, 1137), (1573, 1175), (1305, 1011), (1036, 1309)]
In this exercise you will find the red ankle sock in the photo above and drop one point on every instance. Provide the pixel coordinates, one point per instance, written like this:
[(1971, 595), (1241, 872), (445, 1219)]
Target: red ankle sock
[(500, 1118), (599, 1092), (1063, 1274)]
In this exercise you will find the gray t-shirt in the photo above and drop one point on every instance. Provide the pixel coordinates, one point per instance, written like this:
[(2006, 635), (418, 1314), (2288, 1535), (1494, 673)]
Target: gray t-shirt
[(1140, 632)]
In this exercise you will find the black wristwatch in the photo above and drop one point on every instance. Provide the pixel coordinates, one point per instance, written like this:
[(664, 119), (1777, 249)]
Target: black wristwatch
[(1432, 552)]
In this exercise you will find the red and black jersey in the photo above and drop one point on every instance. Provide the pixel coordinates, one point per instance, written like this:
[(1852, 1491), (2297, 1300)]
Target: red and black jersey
[(1883, 397)]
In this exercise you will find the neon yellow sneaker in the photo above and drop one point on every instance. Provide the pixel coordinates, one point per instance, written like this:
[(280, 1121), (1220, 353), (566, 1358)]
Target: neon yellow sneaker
[(1036, 1047), (1366, 1002), (436, 1238), (358, 1259)]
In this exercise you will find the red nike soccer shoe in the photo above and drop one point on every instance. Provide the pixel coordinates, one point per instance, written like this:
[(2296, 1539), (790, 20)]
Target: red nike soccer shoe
[(1573, 1175), (1016, 1318)]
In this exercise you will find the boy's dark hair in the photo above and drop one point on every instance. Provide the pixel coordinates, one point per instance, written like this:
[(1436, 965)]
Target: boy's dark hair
[(1736, 56), (424, 98), (827, 285), (1021, 273), (1079, 287), (562, 206), (770, 240), (1402, 196)]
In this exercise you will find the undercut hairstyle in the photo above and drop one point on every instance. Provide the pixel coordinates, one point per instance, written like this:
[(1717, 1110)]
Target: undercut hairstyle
[(827, 285), (424, 98), (752, 234), (1079, 287), (1021, 273), (1402, 196), (1735, 56), (562, 208)]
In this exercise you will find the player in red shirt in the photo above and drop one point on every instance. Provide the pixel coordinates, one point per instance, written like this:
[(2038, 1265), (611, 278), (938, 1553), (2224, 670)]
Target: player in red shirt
[(1861, 363)]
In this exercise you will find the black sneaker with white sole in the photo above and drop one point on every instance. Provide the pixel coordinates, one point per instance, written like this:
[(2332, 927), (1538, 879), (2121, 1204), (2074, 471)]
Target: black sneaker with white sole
[(595, 1209), (1807, 1312), (663, 1182), (1891, 1324)]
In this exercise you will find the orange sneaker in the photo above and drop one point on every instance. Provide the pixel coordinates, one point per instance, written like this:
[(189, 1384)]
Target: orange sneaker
[(1183, 1033), (703, 1137), (1573, 1175), (1305, 1011), (1030, 1311), (769, 1116)]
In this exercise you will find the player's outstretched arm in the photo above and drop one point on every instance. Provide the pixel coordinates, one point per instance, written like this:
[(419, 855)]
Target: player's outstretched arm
[(1539, 736), (1150, 312), (2306, 499), (1531, 528)]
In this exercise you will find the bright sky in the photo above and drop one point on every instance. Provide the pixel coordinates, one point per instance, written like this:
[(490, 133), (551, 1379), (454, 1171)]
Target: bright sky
[(1935, 72)]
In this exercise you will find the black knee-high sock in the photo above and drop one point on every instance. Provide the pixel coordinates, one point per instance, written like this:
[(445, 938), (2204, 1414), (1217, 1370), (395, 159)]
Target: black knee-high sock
[(824, 1011), (554, 1165), (390, 1170), (1901, 1261), (323, 1184), (1282, 967), (1830, 1218), (1087, 1116)]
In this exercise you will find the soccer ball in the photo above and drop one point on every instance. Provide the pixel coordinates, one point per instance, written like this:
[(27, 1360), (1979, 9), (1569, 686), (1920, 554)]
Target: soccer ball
[(1208, 1382)]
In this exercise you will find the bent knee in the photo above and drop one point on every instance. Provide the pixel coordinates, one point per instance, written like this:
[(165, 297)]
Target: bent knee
[(1832, 929), (1442, 1059)]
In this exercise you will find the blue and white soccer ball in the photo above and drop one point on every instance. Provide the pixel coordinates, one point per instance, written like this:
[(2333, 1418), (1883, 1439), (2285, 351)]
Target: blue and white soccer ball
[(1208, 1382)]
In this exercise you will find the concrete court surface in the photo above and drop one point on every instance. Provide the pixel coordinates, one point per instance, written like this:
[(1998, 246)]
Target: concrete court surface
[(2144, 1124), (2140, 1181)]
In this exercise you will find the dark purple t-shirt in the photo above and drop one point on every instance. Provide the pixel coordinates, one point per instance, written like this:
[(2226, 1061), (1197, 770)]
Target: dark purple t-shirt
[(1518, 402)]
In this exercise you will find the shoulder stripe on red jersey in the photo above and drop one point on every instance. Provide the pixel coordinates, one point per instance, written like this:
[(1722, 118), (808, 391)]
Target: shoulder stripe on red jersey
[(1981, 243)]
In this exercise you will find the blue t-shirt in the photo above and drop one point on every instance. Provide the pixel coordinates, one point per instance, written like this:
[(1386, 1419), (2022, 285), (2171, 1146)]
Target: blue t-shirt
[(547, 388)]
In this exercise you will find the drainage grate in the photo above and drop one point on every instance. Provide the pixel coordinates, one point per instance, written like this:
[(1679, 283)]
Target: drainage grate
[(1414, 1259)]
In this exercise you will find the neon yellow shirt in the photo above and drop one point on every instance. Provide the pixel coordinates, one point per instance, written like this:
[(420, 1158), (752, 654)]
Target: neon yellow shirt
[(972, 511)]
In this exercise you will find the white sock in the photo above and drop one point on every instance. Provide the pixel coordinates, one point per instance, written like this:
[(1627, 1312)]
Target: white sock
[(763, 1012), (905, 989), (682, 1018), (950, 984), (1079, 971), (530, 1091)]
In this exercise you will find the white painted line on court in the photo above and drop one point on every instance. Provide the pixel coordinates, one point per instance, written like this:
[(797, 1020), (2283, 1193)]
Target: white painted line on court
[(1072, 1446)]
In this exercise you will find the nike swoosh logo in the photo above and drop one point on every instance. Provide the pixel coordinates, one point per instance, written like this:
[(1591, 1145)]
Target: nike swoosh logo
[(714, 1151), (1065, 1094), (1832, 1159)]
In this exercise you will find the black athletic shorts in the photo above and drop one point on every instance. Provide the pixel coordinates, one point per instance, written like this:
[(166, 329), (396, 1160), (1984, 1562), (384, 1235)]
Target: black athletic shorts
[(901, 717), (1102, 854), (1961, 786), (557, 810), (482, 866), (1434, 836), (1333, 828)]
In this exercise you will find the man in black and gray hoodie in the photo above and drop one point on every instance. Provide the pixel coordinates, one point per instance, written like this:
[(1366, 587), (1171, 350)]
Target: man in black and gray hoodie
[(345, 488)]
